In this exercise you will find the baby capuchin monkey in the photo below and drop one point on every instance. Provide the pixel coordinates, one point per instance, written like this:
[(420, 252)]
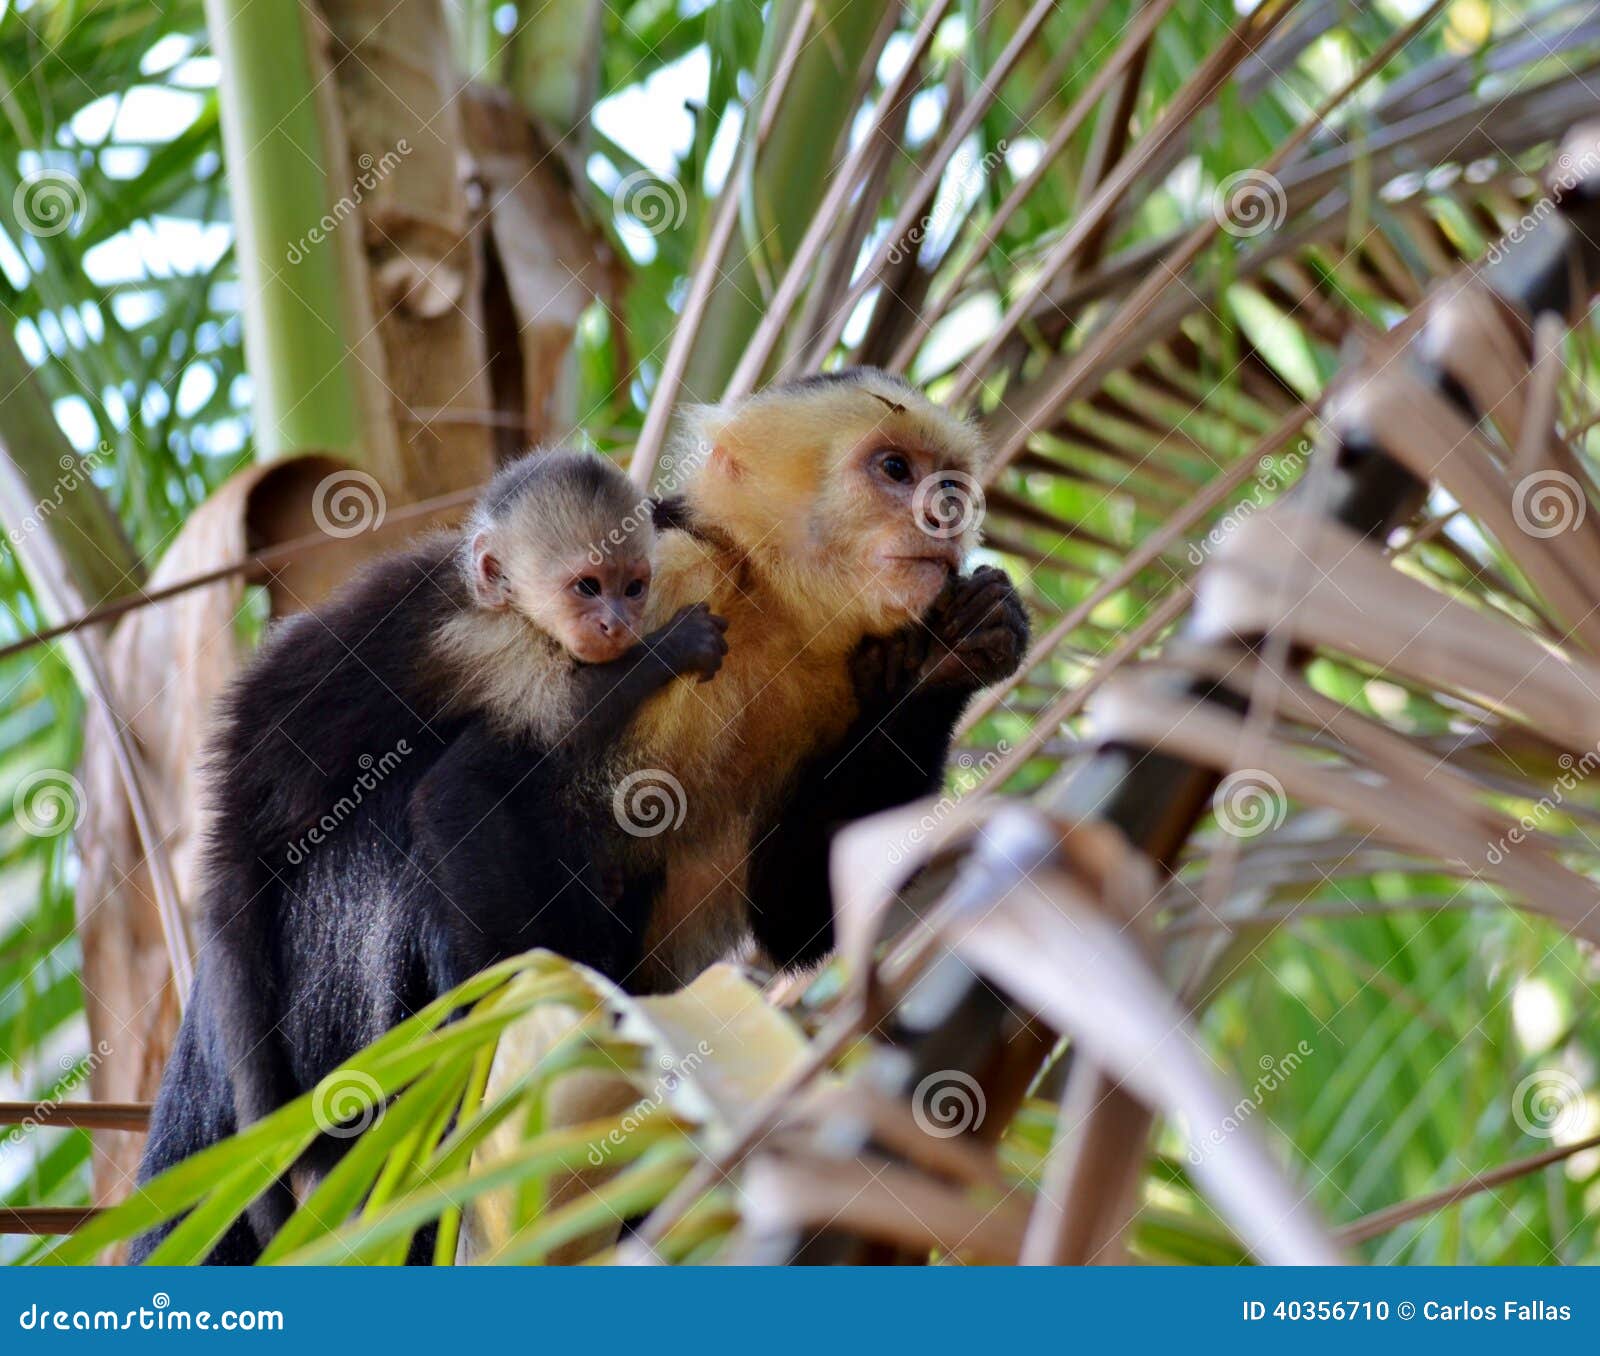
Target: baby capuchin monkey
[(400, 793)]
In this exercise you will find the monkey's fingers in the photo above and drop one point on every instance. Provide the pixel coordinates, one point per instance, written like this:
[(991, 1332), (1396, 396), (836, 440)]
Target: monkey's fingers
[(884, 666), (947, 669), (993, 653), (1016, 616), (982, 657), (981, 603)]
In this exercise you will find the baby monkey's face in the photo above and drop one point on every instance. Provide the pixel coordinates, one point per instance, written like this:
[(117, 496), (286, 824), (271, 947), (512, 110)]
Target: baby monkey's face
[(597, 610), (591, 602)]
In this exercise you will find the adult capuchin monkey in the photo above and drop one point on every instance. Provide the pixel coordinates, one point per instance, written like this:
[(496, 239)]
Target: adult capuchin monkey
[(398, 796), (828, 520)]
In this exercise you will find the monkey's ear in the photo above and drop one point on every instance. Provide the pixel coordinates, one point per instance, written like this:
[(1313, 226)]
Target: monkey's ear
[(489, 586), (725, 462)]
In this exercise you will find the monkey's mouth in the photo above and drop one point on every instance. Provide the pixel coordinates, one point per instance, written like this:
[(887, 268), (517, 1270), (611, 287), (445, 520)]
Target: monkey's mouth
[(600, 649), (943, 561)]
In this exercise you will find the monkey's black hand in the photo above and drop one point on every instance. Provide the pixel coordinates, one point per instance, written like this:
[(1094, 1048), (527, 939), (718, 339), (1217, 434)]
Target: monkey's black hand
[(884, 668), (692, 642), (977, 632)]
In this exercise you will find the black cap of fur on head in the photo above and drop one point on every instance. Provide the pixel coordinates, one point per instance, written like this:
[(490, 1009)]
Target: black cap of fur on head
[(863, 378)]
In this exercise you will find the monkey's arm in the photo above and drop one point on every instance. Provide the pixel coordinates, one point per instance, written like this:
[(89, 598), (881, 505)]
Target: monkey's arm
[(512, 852), (608, 696), (911, 688)]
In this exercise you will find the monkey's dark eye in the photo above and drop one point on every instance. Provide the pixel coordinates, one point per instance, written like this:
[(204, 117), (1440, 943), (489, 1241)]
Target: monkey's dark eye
[(634, 589), (588, 586), (896, 467)]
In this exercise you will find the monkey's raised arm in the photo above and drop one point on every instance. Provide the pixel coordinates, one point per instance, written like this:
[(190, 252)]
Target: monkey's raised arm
[(607, 696), (514, 857), (912, 687)]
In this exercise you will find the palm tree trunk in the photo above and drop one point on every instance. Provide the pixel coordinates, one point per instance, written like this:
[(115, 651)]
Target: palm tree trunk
[(282, 185)]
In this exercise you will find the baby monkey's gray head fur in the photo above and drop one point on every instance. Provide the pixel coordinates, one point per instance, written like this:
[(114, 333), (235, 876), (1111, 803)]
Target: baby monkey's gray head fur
[(564, 539)]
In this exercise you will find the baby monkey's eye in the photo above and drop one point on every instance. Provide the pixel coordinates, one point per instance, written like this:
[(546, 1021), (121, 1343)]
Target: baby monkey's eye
[(896, 467), (588, 586), (634, 589)]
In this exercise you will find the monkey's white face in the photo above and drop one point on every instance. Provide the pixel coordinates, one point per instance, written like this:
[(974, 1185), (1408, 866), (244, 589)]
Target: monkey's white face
[(904, 515), (862, 496), (596, 611)]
